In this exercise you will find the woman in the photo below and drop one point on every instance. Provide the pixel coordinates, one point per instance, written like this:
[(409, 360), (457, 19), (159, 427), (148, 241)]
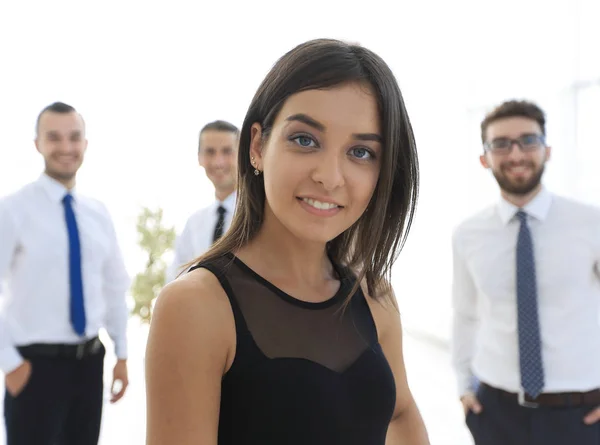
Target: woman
[(286, 331)]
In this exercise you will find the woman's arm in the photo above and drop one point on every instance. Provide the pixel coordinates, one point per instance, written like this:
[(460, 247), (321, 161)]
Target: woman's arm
[(190, 346), (406, 426)]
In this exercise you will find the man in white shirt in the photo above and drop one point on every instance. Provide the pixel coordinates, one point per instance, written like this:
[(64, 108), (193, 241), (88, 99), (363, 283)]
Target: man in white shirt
[(526, 298), (65, 280), (217, 154)]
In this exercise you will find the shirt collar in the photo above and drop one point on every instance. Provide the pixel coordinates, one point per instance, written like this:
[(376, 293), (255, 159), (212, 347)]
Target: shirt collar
[(538, 207), (54, 189), (228, 203)]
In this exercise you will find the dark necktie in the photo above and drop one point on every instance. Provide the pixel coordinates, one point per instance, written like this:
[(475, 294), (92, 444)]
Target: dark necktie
[(220, 223), (530, 348), (77, 309)]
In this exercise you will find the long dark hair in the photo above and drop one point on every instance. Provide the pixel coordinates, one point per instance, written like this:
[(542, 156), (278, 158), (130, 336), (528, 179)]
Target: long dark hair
[(371, 245)]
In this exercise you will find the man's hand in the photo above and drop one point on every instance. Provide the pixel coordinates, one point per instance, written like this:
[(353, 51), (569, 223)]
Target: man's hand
[(120, 376), (592, 417), (470, 403), (16, 380)]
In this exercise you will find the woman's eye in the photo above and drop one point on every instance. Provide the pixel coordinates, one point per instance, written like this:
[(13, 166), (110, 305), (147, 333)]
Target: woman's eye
[(304, 141), (361, 153)]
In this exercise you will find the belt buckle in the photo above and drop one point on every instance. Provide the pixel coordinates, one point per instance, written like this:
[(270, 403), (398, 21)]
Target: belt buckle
[(526, 403), (80, 350)]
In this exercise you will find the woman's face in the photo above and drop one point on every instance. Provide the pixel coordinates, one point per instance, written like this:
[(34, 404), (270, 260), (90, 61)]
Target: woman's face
[(321, 161)]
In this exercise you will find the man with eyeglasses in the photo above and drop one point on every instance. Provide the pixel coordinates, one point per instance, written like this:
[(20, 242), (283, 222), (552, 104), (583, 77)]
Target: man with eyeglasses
[(526, 298)]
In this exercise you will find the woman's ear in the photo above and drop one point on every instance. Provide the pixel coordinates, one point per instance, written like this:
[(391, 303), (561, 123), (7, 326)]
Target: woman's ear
[(256, 146)]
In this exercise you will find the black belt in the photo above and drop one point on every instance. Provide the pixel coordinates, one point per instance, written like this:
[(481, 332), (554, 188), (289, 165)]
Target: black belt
[(71, 351), (551, 400)]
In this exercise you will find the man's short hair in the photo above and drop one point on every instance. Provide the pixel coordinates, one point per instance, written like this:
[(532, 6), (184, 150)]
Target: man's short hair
[(56, 107), (514, 108), (219, 125)]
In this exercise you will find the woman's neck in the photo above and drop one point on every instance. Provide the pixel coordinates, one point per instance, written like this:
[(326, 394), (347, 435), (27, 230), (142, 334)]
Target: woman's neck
[(277, 250)]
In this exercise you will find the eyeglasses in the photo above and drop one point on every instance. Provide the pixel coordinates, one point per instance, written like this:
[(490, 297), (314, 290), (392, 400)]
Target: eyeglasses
[(527, 143)]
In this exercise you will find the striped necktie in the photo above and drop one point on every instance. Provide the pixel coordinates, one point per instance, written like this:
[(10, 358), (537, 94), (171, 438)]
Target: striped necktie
[(220, 223)]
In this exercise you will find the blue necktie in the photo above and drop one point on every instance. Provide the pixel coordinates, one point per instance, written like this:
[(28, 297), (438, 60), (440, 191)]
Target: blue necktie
[(77, 309), (530, 348)]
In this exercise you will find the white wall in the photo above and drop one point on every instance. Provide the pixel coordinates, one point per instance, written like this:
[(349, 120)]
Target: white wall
[(543, 51)]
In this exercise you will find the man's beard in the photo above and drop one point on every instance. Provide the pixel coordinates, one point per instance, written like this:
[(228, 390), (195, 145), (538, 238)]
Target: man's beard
[(519, 188)]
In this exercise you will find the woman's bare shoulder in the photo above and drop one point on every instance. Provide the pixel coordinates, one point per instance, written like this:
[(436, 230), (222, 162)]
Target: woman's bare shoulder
[(198, 287), (192, 310), (190, 346)]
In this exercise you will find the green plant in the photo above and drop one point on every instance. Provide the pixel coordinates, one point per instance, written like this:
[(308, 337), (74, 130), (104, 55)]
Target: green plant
[(155, 240)]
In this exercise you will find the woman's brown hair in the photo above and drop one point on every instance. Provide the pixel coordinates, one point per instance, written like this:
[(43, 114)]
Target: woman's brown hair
[(372, 244)]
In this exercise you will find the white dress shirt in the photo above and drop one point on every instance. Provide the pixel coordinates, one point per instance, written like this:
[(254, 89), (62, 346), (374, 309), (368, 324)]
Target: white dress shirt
[(197, 235), (566, 242), (34, 262)]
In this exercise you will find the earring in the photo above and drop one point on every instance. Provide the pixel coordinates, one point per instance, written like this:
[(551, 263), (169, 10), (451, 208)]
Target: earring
[(253, 162)]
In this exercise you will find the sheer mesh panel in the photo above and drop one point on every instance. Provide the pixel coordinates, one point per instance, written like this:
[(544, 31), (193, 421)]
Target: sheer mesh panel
[(284, 327)]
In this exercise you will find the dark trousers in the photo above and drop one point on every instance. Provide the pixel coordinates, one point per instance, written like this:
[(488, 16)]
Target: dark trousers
[(504, 422), (60, 405)]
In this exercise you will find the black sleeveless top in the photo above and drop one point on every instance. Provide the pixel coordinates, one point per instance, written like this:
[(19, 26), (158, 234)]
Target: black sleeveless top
[(303, 373)]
